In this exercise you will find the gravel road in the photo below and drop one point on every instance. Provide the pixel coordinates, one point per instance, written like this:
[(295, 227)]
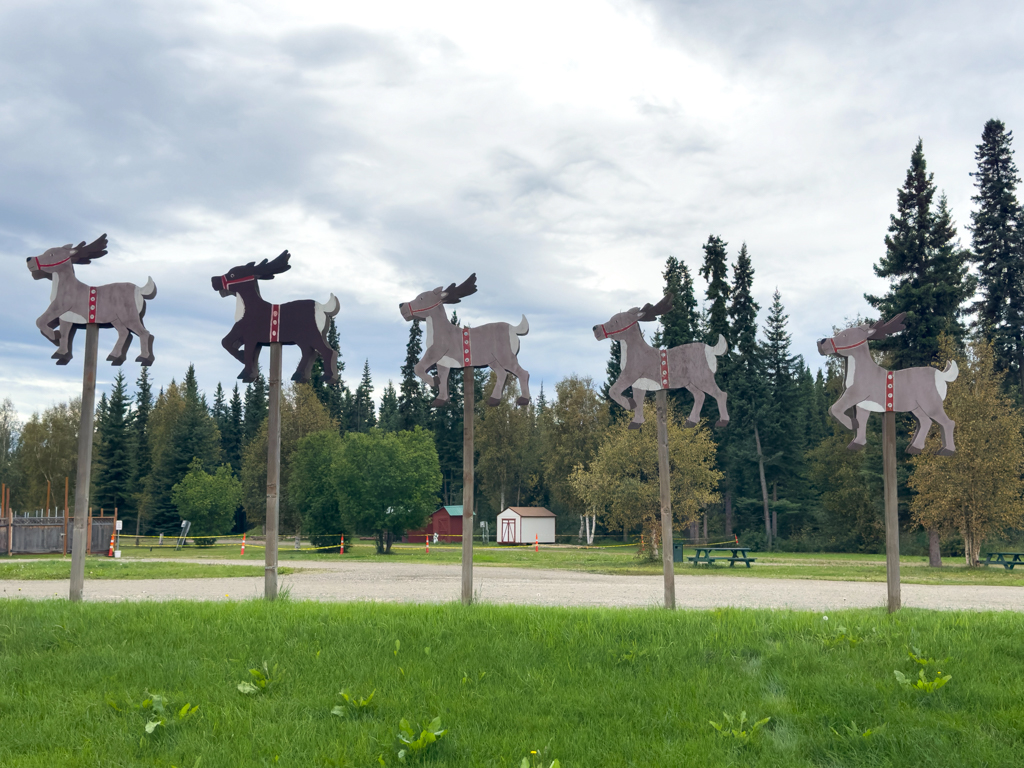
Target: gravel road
[(410, 582)]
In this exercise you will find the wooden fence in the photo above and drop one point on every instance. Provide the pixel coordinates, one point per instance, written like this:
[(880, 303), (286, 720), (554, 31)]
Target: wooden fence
[(46, 535)]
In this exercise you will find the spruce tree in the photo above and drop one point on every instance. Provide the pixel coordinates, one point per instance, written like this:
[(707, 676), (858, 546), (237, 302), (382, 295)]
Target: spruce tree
[(412, 400), (112, 482), (446, 423), (256, 407), (389, 420), (231, 432), (141, 465), (613, 369), (997, 240), (678, 326), (926, 269), (716, 272), (332, 396), (219, 411), (362, 417)]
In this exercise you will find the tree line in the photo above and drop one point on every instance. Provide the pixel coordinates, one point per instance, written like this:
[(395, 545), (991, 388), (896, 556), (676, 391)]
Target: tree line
[(778, 477)]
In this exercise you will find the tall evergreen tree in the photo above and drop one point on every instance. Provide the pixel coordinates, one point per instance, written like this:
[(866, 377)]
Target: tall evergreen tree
[(332, 396), (412, 399), (715, 271), (926, 269), (362, 416), (141, 464), (997, 239), (113, 475), (219, 411), (256, 407), (613, 369), (389, 420), (231, 432), (446, 423), (678, 326)]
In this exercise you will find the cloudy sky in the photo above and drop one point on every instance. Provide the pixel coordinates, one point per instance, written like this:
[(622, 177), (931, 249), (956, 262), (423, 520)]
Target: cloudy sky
[(560, 149)]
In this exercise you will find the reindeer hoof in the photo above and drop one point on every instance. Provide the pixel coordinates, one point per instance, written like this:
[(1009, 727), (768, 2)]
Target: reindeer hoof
[(913, 450), (116, 360), (855, 446), (62, 359), (147, 361), (438, 403), (635, 424), (247, 376), (946, 451), (722, 423), (522, 401)]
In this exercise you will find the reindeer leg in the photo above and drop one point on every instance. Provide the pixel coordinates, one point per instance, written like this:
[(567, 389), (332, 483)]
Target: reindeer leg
[(524, 383), (442, 386), (838, 411), (723, 412), (638, 412), (330, 358), (924, 424), (860, 424), (233, 344), (251, 358), (46, 323), (499, 385), (66, 335), (698, 403), (124, 339), (305, 367), (615, 393), (420, 369), (145, 339)]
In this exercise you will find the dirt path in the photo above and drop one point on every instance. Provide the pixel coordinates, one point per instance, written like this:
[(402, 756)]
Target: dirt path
[(410, 582)]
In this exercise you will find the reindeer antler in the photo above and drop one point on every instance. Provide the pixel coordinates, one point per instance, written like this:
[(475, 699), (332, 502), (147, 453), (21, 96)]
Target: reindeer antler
[(266, 270), (651, 311), (83, 254), (884, 328), (454, 294)]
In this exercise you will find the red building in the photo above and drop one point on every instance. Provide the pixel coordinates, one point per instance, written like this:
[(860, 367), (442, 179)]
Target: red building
[(446, 522)]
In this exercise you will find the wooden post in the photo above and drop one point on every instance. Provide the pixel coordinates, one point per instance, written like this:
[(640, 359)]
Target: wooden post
[(664, 478), (88, 532), (469, 395), (273, 472), (892, 524), (85, 425), (66, 479)]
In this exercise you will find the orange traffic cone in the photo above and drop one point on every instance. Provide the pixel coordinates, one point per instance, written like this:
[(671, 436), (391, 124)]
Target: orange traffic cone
[(110, 552), (426, 540), (341, 547), (243, 543), (536, 542)]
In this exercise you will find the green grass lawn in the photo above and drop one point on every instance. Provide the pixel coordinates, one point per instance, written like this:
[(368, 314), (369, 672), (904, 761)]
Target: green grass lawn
[(601, 688), (103, 568), (623, 561)]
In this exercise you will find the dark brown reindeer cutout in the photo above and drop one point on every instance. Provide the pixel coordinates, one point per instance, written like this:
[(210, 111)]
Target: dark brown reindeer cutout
[(870, 388), (73, 304), (259, 323), (449, 346), (646, 369)]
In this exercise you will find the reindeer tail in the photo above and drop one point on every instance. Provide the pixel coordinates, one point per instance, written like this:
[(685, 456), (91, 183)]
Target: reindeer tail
[(331, 307), (711, 353), (943, 377), (522, 329), (148, 291)]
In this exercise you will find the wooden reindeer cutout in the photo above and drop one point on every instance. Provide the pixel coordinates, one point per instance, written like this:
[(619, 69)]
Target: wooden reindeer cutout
[(494, 345), (259, 323), (871, 388), (73, 304), (645, 369)]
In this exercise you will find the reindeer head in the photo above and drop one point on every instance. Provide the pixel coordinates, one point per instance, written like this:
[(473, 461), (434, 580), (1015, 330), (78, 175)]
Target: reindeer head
[(57, 259), (629, 318), (427, 300), (845, 341), (228, 283)]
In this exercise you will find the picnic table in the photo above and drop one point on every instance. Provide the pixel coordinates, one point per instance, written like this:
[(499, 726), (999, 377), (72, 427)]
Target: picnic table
[(736, 555), (1000, 558)]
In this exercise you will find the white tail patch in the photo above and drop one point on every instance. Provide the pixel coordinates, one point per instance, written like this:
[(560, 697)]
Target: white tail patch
[(711, 353), (942, 378), (148, 291), (515, 331), (323, 311)]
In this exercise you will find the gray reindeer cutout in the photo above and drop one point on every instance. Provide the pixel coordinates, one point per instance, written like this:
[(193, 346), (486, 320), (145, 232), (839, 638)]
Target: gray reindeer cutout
[(73, 304), (448, 346), (869, 388), (646, 369)]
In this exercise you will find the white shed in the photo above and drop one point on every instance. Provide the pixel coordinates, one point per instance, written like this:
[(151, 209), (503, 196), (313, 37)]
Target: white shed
[(526, 525)]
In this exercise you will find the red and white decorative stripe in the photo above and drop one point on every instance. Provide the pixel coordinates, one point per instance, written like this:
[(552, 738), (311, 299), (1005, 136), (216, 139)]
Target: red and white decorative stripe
[(888, 392), (466, 356), (92, 305), (275, 322), (664, 369)]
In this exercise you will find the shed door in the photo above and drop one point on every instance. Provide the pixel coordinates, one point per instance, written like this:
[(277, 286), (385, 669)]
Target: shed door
[(508, 530)]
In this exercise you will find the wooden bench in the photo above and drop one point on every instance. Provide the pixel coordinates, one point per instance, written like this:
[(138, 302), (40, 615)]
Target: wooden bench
[(736, 555), (1000, 558)]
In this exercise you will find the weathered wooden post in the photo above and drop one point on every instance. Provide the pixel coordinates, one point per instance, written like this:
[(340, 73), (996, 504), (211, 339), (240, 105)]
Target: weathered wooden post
[(448, 346), (646, 369), (869, 388), (260, 324), (74, 305)]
